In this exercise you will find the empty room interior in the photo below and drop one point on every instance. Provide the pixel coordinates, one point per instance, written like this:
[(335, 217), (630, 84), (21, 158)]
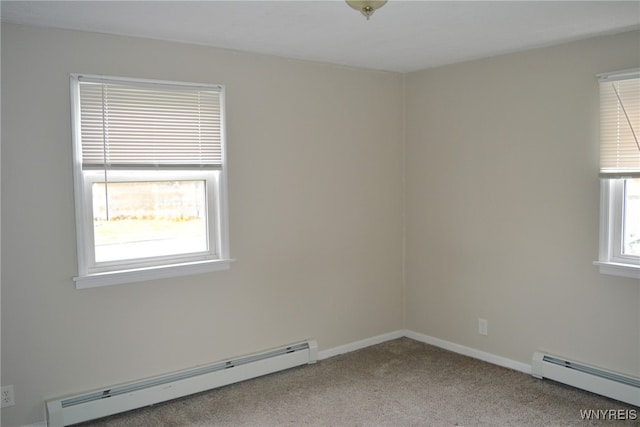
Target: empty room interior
[(431, 172)]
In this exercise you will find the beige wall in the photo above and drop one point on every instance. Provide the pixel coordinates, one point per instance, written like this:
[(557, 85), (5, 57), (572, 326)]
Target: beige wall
[(315, 189), (503, 202)]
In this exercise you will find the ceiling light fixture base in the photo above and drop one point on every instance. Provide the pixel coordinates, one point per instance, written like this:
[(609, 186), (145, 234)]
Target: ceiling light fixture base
[(366, 7)]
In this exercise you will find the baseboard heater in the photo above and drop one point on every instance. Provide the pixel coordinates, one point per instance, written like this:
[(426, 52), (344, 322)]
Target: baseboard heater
[(112, 400), (616, 386)]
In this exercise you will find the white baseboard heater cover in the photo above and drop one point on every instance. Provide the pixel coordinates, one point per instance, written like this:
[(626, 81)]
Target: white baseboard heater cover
[(112, 400), (616, 386)]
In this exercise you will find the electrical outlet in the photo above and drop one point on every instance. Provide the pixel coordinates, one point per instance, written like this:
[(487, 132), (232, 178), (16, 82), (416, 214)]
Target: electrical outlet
[(8, 399), (483, 327)]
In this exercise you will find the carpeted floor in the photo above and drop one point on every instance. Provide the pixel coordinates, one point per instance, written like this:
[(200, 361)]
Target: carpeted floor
[(397, 383)]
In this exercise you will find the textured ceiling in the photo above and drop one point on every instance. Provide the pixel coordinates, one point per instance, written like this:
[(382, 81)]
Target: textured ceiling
[(403, 36)]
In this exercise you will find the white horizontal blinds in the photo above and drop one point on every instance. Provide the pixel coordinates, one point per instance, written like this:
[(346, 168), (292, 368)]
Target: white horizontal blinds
[(141, 125), (620, 124)]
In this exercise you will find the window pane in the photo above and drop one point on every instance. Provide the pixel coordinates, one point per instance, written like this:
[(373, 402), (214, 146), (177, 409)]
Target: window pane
[(631, 234), (133, 220)]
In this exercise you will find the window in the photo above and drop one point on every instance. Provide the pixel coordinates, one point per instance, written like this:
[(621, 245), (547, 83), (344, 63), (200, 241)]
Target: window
[(620, 173), (149, 173)]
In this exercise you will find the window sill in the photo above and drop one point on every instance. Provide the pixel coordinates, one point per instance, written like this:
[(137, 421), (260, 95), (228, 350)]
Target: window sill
[(619, 269), (151, 273)]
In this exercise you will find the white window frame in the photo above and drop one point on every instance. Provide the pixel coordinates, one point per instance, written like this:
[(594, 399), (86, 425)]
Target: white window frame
[(95, 274), (611, 259)]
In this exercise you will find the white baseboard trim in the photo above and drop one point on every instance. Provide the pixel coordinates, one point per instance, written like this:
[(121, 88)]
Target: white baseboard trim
[(367, 342), (471, 352), (437, 342)]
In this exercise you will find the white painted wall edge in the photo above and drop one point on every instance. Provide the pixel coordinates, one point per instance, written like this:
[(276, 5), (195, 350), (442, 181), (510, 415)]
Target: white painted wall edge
[(437, 342)]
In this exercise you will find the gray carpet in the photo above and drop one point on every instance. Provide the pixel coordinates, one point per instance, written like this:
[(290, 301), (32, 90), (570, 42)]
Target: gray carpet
[(397, 383)]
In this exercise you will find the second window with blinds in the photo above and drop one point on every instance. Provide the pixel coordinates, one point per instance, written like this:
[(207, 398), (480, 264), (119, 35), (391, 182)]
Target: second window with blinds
[(150, 179), (620, 173)]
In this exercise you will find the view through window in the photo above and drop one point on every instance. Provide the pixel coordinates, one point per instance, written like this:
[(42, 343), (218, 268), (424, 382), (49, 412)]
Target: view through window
[(147, 219)]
